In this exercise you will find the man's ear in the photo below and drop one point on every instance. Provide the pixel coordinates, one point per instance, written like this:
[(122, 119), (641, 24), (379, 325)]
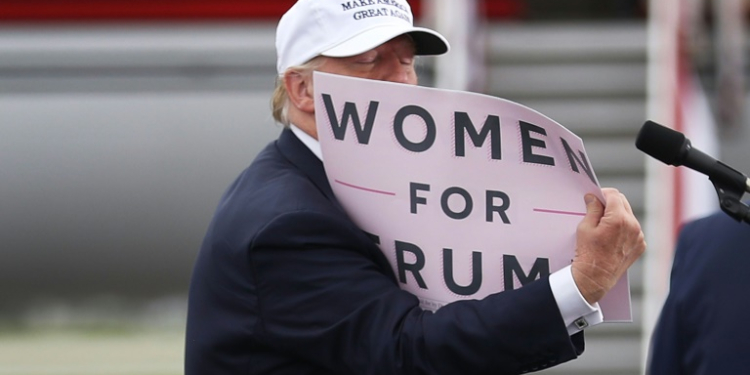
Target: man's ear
[(300, 90)]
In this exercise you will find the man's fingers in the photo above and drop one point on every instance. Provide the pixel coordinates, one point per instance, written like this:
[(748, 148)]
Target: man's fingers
[(626, 204), (614, 202)]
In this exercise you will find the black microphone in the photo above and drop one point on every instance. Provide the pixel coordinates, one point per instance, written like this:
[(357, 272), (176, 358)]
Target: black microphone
[(673, 148)]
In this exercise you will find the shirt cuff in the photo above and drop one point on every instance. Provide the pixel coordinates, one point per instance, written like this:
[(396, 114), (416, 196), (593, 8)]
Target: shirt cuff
[(576, 312)]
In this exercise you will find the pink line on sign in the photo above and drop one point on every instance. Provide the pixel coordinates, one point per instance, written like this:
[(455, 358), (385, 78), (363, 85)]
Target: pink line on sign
[(559, 212), (364, 188)]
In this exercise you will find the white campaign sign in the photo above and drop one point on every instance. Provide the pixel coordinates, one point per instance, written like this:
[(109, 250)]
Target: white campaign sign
[(466, 194)]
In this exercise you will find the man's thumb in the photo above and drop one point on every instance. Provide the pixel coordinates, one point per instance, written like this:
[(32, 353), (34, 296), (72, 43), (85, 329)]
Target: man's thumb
[(594, 209)]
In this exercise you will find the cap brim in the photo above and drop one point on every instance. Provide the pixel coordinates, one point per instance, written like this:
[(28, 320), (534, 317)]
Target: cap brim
[(427, 42)]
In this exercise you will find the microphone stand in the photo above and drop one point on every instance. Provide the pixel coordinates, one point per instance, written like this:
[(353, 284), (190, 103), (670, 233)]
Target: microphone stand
[(730, 201)]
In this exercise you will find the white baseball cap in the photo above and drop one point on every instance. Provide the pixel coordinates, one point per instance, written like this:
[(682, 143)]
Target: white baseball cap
[(338, 28)]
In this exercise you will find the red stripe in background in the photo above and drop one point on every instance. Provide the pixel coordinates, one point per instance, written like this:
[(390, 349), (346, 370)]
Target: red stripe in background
[(115, 10), (164, 10), (503, 9)]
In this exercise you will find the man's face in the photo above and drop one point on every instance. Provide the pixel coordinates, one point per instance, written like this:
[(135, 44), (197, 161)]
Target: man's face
[(392, 61)]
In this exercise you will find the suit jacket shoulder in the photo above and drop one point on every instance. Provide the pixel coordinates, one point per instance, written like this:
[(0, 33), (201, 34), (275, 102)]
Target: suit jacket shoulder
[(698, 330)]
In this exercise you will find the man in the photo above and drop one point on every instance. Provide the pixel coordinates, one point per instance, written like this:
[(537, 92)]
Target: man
[(702, 329), (285, 283)]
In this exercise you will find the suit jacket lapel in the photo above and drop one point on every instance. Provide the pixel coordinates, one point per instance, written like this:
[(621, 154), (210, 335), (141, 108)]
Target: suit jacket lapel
[(298, 154), (301, 157)]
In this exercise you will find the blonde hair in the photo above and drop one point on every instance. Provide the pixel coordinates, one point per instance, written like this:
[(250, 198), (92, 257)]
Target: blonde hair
[(280, 98)]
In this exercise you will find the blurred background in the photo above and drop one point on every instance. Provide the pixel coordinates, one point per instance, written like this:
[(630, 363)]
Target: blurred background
[(122, 122)]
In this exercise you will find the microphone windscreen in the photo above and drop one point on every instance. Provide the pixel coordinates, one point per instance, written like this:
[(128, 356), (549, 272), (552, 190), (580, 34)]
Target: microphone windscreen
[(661, 143)]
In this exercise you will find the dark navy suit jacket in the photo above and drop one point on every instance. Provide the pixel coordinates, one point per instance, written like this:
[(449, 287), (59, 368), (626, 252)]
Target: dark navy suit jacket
[(285, 283), (703, 328)]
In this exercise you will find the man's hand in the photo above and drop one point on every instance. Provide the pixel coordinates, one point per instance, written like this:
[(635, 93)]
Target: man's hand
[(608, 242)]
